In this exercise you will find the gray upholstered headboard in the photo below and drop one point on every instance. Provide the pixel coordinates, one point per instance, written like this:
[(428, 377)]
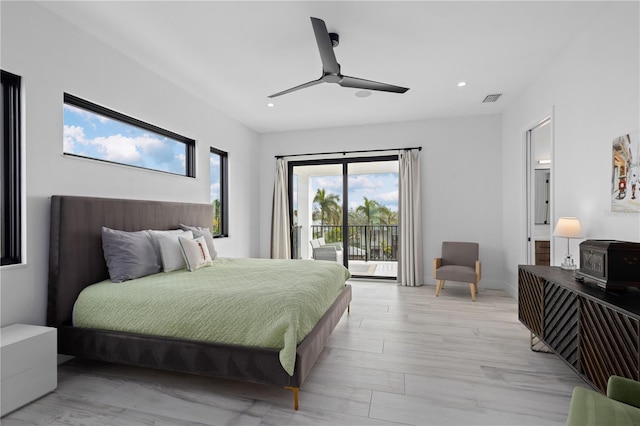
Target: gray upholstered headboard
[(75, 247)]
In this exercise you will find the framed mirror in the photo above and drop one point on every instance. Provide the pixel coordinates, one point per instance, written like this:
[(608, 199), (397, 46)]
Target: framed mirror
[(541, 188)]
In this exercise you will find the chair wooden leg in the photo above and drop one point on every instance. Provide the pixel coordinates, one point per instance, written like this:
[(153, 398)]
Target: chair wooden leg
[(472, 287), (439, 285)]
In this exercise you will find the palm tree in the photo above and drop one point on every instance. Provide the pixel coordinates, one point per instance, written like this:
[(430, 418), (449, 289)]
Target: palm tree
[(388, 216), (357, 217), (327, 208), (371, 211)]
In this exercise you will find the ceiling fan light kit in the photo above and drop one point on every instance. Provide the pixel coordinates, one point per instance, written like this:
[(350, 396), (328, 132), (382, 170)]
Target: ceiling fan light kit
[(331, 68)]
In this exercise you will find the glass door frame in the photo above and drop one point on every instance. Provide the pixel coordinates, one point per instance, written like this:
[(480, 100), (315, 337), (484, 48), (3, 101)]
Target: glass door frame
[(345, 161)]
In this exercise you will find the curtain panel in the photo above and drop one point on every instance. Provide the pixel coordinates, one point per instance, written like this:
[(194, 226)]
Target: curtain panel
[(410, 261), (280, 228)]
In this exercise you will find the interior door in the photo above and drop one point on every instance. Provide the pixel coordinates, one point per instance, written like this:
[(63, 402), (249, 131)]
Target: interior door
[(539, 171)]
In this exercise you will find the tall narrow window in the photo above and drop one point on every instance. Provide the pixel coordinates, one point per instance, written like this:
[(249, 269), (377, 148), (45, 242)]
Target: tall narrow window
[(93, 131), (218, 192), (10, 208)]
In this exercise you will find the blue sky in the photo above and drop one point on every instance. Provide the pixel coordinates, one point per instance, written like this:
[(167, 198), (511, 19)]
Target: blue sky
[(93, 135), (214, 175), (382, 187)]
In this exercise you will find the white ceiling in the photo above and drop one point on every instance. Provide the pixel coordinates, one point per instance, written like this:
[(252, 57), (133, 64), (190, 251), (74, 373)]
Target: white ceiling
[(234, 54)]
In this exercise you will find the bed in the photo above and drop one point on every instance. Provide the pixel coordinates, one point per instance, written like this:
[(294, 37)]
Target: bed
[(76, 261)]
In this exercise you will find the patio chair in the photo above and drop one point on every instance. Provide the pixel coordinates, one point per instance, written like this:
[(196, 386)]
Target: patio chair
[(324, 251)]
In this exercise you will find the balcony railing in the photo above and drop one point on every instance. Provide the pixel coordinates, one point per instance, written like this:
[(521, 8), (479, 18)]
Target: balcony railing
[(366, 242)]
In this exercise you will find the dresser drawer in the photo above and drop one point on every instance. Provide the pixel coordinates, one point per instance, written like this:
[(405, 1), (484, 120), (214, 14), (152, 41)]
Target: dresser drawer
[(543, 252)]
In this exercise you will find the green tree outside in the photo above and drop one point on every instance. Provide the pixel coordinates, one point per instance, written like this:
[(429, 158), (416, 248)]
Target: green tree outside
[(327, 208), (216, 217)]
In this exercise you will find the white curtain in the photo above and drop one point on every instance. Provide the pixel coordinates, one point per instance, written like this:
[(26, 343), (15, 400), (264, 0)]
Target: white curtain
[(280, 235), (410, 267)]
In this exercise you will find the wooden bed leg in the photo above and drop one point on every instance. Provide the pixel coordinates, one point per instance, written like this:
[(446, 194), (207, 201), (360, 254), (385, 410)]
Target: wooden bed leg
[(349, 308), (295, 396)]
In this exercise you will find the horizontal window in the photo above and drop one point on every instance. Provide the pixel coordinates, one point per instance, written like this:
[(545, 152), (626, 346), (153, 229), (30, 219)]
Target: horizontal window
[(93, 131)]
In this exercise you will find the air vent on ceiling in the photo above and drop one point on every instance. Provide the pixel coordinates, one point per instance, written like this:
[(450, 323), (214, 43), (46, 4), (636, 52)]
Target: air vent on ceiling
[(492, 98)]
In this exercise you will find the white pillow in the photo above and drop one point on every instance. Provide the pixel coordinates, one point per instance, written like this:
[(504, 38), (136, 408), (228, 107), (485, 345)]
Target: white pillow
[(170, 251), (204, 232), (195, 252), (154, 237)]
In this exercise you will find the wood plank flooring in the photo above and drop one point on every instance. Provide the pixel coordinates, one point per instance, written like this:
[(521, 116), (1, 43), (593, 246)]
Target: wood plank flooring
[(402, 356)]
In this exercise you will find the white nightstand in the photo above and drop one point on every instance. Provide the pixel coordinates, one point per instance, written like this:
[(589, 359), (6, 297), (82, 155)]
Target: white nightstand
[(28, 360)]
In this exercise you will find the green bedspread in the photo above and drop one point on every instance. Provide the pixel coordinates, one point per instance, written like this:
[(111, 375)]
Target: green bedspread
[(249, 302)]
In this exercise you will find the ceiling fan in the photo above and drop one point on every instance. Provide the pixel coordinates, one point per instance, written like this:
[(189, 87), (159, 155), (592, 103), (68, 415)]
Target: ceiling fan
[(331, 68)]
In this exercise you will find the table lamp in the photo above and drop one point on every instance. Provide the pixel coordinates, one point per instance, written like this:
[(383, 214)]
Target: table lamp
[(568, 227)]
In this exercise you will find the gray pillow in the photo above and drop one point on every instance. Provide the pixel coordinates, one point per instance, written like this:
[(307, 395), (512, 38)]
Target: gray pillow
[(129, 255), (208, 237)]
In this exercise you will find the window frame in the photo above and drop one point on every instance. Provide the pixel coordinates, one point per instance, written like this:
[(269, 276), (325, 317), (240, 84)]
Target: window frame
[(190, 144), (224, 191), (11, 169)]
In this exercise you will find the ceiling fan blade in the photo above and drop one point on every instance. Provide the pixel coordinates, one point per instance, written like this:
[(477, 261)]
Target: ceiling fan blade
[(329, 63), (293, 89), (359, 83)]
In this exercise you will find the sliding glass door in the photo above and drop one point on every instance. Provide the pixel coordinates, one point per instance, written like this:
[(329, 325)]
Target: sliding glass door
[(316, 201), (350, 204), (372, 219)]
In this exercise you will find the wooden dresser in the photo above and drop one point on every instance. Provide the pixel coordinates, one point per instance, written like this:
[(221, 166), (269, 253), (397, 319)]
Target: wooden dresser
[(543, 252), (596, 332)]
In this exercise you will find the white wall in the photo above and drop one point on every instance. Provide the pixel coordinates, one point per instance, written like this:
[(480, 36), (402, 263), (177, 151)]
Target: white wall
[(473, 174), (593, 90), (461, 179), (54, 57)]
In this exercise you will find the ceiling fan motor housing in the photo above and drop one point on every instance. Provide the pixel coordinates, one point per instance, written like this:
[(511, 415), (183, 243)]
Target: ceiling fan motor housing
[(335, 39)]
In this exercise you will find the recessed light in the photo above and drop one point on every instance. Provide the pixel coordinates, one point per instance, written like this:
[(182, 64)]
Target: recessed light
[(363, 93), (270, 104), (462, 84)]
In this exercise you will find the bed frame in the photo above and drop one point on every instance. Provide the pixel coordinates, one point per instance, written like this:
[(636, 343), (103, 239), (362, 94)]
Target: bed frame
[(76, 260)]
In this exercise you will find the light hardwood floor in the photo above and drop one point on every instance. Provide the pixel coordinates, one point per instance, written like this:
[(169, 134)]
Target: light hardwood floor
[(402, 356)]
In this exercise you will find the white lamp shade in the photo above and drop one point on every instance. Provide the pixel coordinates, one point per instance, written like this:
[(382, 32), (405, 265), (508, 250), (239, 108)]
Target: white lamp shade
[(568, 227)]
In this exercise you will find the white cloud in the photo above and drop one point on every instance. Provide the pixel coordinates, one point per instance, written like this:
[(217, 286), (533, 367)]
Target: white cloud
[(332, 184), (181, 158), (388, 196), (73, 135), (119, 148), (214, 191), (87, 116), (357, 182)]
